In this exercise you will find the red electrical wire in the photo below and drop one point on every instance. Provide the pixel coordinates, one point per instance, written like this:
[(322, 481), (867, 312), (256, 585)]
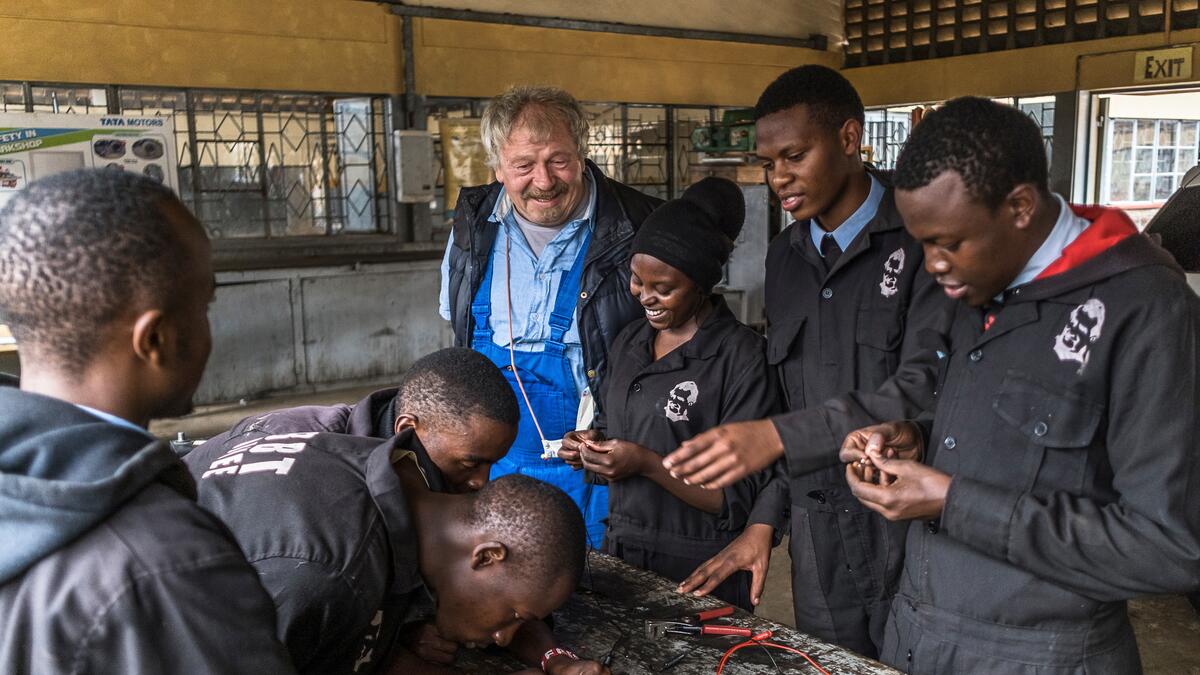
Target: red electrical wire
[(760, 641)]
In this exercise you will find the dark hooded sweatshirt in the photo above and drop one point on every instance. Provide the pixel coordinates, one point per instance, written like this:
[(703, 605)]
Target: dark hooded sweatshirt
[(1070, 428), (106, 562)]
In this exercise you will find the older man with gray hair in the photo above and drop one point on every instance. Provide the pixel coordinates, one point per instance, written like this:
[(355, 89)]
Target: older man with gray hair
[(536, 276)]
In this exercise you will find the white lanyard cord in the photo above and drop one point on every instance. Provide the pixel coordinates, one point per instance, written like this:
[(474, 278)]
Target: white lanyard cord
[(512, 356)]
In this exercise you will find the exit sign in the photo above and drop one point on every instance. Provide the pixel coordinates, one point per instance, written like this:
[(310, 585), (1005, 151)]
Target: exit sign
[(1163, 65)]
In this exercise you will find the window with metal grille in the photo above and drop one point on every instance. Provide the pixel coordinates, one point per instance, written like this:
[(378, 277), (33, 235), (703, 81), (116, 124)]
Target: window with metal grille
[(1146, 158), (255, 165), (647, 147), (887, 129)]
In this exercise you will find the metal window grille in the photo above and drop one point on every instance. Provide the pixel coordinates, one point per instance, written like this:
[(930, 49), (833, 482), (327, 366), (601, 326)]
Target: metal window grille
[(647, 147), (255, 165), (887, 129), (1146, 158)]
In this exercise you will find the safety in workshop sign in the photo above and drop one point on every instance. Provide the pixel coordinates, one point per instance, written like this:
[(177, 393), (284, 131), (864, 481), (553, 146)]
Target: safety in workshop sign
[(36, 145)]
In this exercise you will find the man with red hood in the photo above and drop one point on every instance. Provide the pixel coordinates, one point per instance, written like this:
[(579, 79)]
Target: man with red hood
[(1060, 475)]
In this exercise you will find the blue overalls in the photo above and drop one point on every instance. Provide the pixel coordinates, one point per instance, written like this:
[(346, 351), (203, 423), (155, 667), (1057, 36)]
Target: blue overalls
[(552, 392)]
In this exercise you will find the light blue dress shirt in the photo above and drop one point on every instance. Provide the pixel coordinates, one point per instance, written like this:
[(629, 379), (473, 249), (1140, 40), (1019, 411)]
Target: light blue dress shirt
[(845, 233), (112, 419), (534, 281)]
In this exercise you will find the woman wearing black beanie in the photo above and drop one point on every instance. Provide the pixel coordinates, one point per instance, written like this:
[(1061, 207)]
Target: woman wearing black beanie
[(689, 366)]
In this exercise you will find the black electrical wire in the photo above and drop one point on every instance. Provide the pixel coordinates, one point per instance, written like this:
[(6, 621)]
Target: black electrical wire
[(770, 656)]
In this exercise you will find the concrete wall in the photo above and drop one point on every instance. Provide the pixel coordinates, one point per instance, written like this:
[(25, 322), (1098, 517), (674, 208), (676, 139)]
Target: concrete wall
[(295, 330)]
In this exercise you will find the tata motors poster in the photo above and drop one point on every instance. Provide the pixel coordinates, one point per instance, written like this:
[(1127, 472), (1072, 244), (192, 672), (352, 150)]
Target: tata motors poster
[(36, 145)]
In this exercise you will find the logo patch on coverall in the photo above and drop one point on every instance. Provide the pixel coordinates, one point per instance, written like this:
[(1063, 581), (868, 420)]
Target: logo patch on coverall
[(682, 395), (892, 267), (1074, 342)]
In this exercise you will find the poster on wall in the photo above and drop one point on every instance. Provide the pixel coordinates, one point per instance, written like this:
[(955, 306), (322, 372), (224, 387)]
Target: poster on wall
[(36, 145)]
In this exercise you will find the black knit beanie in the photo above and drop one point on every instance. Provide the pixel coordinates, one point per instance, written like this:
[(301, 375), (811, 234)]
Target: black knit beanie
[(695, 233)]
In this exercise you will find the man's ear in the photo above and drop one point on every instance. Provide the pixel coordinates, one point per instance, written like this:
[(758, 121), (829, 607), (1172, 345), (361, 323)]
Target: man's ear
[(488, 553), (150, 338), (1022, 203), (850, 136), (405, 421)]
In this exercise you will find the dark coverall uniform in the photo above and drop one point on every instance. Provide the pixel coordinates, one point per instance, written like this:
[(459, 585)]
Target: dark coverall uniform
[(720, 375), (870, 325), (323, 520), (1070, 428), (374, 416)]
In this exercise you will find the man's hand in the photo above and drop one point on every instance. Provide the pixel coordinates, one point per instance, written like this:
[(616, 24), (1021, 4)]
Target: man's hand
[(564, 665), (616, 459), (424, 640), (915, 491), (726, 454), (572, 443), (893, 439), (750, 551)]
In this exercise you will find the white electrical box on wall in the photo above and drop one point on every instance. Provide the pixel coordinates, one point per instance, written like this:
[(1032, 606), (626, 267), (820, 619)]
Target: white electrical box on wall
[(415, 173)]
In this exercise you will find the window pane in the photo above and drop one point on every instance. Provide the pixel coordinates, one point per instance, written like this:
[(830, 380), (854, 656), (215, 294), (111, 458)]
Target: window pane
[(1145, 132), (1118, 182), (1145, 161), (1164, 186), (1118, 189), (1166, 161), (1188, 135), (1185, 160), (1141, 189), (1122, 134), (1167, 132)]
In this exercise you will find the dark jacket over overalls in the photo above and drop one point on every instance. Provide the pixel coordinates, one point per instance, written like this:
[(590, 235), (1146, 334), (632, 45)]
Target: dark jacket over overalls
[(1071, 430), (875, 315), (605, 305)]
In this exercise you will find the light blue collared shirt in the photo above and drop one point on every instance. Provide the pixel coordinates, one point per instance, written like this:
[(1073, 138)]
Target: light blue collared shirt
[(1066, 229), (112, 419), (845, 233), (534, 282)]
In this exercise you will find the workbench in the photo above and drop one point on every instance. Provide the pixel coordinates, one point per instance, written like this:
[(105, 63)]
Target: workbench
[(615, 599)]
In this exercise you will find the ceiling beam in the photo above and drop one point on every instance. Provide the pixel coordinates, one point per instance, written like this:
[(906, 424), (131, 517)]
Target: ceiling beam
[(814, 41)]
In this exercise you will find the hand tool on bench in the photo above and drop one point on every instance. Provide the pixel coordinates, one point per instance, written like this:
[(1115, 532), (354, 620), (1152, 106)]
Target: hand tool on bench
[(696, 624)]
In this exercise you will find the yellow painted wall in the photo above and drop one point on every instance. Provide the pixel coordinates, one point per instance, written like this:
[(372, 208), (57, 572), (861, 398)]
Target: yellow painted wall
[(354, 46), (1097, 64), (302, 45), (456, 58), (783, 18)]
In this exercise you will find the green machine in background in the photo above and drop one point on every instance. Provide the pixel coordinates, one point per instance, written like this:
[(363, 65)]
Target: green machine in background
[(734, 133)]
